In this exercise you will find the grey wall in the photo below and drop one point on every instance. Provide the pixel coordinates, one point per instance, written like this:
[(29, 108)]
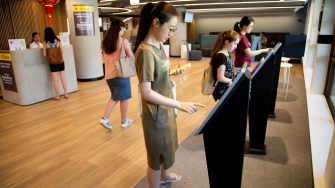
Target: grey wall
[(289, 24)]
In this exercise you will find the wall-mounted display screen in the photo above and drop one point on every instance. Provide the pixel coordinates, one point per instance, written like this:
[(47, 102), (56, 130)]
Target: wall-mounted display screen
[(188, 18)]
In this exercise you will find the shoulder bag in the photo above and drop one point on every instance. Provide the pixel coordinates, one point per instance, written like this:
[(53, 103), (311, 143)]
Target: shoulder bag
[(125, 66)]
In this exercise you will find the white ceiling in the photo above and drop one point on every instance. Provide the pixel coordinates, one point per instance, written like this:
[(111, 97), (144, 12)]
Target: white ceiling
[(209, 7)]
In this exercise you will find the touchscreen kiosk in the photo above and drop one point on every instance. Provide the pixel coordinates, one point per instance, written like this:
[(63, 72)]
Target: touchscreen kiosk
[(261, 85), (277, 52), (224, 132)]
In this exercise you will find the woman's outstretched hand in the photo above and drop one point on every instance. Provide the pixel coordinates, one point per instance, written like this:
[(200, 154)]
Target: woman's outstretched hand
[(190, 107)]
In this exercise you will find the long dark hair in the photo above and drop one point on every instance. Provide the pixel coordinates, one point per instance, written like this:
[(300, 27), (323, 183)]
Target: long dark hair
[(245, 21), (49, 35), (162, 10), (110, 41)]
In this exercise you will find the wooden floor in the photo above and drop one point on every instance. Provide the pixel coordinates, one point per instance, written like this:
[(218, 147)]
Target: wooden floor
[(61, 144)]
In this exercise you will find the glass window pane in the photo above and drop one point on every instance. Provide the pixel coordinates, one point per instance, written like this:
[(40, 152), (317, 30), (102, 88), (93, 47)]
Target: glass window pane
[(332, 92)]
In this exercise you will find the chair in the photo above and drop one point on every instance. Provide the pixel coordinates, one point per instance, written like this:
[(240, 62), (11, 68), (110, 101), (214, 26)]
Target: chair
[(193, 55), (287, 69)]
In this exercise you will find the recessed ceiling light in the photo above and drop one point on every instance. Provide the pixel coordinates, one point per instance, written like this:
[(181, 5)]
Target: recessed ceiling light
[(124, 10)]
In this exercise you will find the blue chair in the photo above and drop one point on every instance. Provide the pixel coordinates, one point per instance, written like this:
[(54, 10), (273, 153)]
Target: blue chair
[(193, 55)]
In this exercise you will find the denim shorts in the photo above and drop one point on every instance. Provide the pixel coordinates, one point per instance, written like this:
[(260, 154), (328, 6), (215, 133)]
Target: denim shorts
[(120, 88)]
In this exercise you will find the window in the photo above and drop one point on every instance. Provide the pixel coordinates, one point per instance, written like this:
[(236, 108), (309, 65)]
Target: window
[(330, 84)]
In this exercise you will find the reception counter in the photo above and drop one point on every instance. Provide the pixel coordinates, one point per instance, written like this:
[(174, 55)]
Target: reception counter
[(31, 76)]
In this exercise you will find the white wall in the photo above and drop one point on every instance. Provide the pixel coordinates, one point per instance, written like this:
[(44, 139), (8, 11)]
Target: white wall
[(321, 122), (287, 24)]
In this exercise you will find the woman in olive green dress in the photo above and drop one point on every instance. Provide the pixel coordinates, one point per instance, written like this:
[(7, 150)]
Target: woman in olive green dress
[(158, 22)]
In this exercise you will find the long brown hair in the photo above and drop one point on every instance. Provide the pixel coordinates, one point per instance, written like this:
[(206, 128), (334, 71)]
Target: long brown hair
[(224, 36), (110, 41)]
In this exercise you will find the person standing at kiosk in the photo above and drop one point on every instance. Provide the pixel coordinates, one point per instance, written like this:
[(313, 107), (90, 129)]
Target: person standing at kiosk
[(53, 50), (158, 22), (243, 52), (221, 62)]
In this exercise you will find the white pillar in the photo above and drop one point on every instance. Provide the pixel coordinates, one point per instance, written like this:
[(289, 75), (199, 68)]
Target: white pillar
[(86, 47), (316, 9), (323, 51), (180, 35), (309, 19)]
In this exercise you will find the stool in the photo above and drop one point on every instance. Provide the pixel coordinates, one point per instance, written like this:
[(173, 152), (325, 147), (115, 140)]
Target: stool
[(287, 69)]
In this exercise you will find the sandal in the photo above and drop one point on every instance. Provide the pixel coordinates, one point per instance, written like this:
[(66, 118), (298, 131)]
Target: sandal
[(56, 98), (171, 178)]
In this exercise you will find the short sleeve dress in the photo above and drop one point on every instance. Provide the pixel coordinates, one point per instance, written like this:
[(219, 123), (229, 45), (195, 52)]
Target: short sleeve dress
[(159, 122)]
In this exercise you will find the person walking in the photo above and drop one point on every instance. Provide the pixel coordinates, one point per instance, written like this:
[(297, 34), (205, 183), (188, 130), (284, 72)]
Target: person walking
[(120, 89)]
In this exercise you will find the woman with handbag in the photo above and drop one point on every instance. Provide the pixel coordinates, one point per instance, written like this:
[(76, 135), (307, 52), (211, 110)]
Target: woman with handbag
[(158, 22), (221, 62), (53, 50), (112, 47)]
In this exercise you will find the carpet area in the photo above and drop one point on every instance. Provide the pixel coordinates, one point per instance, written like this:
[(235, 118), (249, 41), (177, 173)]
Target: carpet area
[(288, 161)]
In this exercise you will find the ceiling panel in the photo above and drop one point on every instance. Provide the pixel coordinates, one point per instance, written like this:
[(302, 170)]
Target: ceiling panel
[(210, 7)]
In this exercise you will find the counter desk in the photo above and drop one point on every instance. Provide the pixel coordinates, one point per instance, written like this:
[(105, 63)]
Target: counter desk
[(29, 81)]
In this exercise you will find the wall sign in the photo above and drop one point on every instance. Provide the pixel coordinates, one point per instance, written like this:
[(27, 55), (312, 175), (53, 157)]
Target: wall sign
[(17, 44), (7, 73), (83, 16)]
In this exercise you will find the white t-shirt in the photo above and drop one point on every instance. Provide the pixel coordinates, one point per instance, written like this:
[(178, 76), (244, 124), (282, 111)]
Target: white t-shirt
[(34, 45)]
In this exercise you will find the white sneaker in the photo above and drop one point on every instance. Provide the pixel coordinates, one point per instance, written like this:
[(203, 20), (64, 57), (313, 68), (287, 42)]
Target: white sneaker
[(105, 122), (127, 123)]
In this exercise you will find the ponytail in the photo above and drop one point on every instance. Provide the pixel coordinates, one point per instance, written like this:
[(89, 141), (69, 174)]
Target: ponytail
[(144, 24), (245, 21), (237, 27), (162, 10)]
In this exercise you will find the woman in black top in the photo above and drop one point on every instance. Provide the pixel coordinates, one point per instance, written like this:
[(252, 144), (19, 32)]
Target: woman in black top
[(221, 61)]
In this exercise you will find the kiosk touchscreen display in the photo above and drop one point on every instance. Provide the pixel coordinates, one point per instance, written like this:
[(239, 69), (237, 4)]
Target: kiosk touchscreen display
[(233, 89)]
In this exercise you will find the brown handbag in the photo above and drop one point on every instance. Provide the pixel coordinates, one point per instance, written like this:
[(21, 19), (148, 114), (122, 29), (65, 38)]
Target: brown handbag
[(125, 66), (55, 55)]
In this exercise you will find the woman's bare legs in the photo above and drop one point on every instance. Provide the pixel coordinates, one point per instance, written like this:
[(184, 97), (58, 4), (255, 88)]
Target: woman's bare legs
[(124, 109), (62, 78), (109, 108), (154, 177), (54, 77)]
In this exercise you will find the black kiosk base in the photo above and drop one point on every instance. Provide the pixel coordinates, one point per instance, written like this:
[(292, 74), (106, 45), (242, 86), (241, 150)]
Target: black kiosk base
[(224, 133), (278, 52), (260, 94)]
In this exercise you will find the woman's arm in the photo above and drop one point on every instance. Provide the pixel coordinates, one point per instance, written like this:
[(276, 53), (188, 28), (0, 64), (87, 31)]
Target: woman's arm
[(220, 75), (248, 51), (44, 49), (150, 95), (61, 47), (128, 50)]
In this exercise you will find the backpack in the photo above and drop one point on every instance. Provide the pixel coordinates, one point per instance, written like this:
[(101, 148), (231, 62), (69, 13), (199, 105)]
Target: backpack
[(55, 55), (207, 82)]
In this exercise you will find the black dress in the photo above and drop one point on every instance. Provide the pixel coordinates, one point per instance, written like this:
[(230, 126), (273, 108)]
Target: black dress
[(218, 60)]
